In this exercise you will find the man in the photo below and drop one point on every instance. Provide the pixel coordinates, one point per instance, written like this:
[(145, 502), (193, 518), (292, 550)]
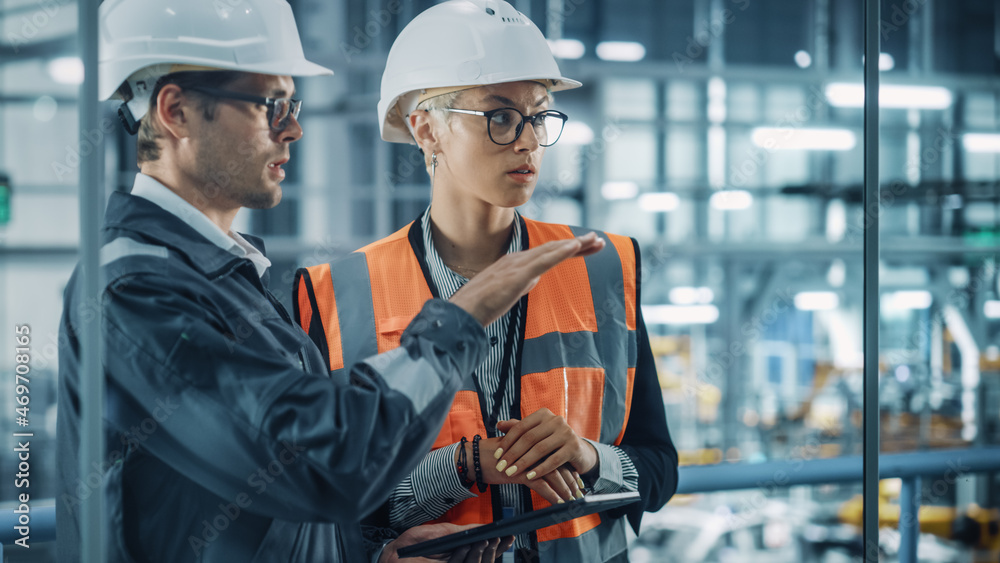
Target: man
[(228, 439)]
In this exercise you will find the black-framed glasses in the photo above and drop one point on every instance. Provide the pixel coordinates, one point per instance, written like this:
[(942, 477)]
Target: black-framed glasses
[(505, 125), (279, 110)]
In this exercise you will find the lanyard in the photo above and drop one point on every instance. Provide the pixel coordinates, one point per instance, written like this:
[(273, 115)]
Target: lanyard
[(505, 374)]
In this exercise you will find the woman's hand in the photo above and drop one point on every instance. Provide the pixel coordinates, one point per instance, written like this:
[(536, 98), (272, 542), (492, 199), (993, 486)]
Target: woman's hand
[(541, 443), (479, 552), (556, 486)]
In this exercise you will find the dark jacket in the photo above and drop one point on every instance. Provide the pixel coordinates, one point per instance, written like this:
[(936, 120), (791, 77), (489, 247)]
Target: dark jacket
[(227, 440)]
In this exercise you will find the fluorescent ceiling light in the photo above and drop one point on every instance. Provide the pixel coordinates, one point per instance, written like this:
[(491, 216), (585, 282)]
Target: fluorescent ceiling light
[(567, 48), (659, 201), (981, 142), (797, 138), (886, 62), (680, 314), (577, 133), (731, 199), (816, 300), (66, 70), (906, 300), (619, 190), (991, 309), (850, 95), (691, 295), (803, 59), (837, 273), (624, 51)]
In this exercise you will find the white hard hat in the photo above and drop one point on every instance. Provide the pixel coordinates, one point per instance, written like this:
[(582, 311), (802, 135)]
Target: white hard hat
[(461, 43), (141, 40)]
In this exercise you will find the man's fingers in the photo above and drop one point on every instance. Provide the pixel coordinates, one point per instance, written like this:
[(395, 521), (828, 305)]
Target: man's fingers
[(593, 248), (490, 553), (458, 556), (505, 544), (475, 554), (556, 251)]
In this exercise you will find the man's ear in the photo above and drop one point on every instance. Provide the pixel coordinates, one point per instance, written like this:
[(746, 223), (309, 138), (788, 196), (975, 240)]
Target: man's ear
[(173, 110), (423, 127)]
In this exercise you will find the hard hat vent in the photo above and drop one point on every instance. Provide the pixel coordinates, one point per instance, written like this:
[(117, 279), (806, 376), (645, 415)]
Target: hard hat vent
[(512, 20)]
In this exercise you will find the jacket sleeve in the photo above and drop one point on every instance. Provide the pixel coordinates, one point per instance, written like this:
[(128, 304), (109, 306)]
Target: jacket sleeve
[(647, 439), (237, 415)]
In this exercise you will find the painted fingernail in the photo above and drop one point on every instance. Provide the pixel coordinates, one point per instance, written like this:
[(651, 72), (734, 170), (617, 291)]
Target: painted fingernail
[(498, 453), (501, 465), (531, 475), (511, 470), (579, 481), (560, 501), (579, 494)]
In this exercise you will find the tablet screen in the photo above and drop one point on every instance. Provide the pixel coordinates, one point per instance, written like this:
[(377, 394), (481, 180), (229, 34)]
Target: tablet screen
[(520, 524)]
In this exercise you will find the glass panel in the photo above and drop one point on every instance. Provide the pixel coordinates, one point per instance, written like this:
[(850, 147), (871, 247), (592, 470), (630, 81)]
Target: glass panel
[(751, 289), (939, 248)]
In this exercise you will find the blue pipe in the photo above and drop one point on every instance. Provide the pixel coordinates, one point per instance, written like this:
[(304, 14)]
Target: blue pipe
[(944, 465)]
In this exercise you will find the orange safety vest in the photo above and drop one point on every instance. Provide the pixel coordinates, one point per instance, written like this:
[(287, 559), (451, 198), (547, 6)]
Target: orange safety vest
[(577, 357)]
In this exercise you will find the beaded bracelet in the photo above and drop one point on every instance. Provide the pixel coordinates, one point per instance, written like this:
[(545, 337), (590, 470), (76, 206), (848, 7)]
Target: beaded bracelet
[(463, 465), (480, 484)]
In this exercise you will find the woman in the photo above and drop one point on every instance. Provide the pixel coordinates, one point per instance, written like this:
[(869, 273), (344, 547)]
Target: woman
[(568, 399)]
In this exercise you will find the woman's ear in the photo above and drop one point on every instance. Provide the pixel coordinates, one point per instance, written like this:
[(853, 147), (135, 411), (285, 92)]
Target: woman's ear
[(423, 127)]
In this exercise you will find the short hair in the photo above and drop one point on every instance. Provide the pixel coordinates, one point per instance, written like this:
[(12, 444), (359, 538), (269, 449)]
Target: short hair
[(147, 147), (440, 102)]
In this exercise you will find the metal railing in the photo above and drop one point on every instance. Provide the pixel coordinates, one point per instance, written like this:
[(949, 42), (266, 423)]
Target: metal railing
[(949, 465)]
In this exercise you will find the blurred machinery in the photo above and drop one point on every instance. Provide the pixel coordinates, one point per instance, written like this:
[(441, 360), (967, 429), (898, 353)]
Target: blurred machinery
[(973, 527)]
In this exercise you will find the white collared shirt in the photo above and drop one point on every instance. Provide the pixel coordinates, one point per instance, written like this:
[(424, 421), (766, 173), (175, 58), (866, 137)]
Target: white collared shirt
[(151, 190)]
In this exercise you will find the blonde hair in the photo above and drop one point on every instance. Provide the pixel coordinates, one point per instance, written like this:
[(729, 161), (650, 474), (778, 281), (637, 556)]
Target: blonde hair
[(443, 101)]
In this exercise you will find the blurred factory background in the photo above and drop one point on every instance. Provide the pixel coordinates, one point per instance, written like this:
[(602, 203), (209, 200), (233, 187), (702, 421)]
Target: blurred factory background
[(726, 136)]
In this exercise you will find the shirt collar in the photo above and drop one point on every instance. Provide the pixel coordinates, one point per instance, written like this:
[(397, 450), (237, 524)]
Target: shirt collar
[(151, 190), (446, 280)]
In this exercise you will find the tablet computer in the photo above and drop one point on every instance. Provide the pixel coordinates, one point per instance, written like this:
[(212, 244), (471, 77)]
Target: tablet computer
[(520, 524)]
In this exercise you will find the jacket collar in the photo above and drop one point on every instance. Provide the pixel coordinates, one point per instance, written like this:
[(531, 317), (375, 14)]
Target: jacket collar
[(150, 222)]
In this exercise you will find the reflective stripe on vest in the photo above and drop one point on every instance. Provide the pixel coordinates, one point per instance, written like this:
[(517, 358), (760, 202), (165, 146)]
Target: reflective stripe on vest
[(577, 359)]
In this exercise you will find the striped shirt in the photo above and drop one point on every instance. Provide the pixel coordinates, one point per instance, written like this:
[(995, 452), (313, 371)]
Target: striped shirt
[(434, 486)]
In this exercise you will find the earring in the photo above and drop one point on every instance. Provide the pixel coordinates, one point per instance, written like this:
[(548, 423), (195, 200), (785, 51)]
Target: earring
[(434, 163)]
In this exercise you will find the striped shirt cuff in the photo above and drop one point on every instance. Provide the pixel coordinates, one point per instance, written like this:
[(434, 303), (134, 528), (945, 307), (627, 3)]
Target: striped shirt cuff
[(617, 472), (430, 490)]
